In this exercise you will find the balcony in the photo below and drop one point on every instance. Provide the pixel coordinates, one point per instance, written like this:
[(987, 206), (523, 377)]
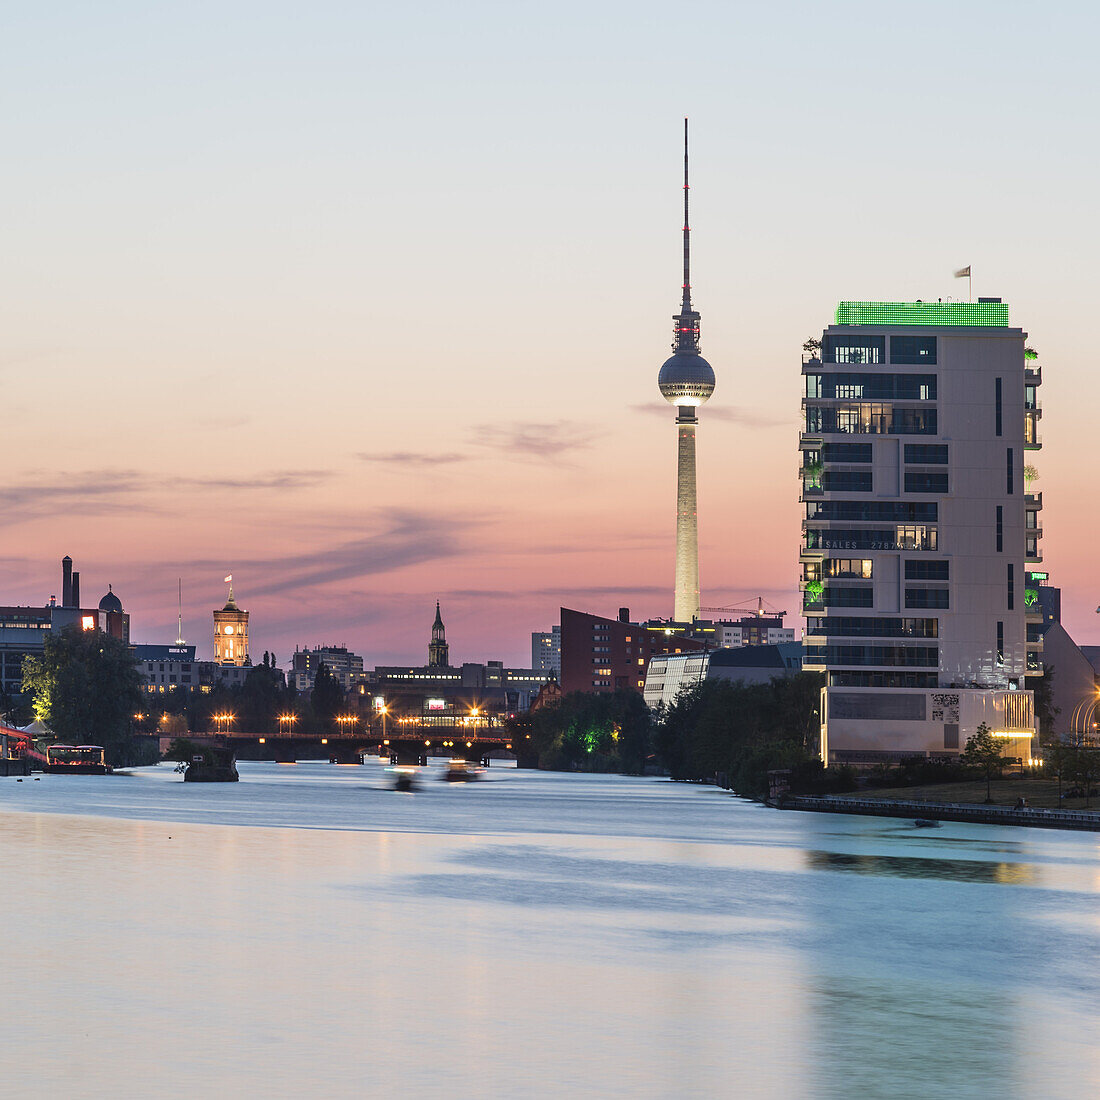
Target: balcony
[(1032, 440), (1033, 376), (1032, 551), (1033, 501)]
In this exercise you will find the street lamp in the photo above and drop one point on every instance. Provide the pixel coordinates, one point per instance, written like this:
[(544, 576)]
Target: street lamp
[(223, 721), (286, 722)]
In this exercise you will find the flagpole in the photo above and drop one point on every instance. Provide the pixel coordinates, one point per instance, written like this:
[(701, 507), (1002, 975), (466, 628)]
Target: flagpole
[(970, 283)]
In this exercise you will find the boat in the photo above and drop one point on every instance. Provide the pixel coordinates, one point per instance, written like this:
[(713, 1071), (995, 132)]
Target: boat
[(76, 760), (926, 823)]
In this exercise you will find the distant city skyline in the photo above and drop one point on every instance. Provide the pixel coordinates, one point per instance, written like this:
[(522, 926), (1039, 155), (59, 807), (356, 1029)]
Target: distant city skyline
[(362, 306)]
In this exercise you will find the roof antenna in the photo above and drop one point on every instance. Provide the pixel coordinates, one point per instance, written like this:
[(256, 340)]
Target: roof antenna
[(179, 632)]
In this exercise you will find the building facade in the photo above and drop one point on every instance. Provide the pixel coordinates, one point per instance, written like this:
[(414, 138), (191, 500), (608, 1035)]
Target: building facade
[(231, 634), (346, 666), (604, 655), (669, 674), (919, 420), (546, 650)]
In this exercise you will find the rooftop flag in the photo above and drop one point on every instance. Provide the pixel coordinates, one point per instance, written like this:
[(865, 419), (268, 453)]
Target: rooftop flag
[(229, 579), (963, 272)]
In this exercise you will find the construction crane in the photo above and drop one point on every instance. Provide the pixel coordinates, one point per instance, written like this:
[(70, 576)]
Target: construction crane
[(758, 610)]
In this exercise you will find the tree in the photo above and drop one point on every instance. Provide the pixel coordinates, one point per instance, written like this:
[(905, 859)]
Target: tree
[(86, 688), (327, 696), (1085, 766), (983, 751), (1045, 710)]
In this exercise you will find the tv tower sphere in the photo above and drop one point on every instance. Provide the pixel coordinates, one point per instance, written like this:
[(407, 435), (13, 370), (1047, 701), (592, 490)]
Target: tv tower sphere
[(686, 379)]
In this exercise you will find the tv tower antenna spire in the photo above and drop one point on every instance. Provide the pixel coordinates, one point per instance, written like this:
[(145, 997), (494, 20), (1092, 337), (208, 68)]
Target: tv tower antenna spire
[(687, 228)]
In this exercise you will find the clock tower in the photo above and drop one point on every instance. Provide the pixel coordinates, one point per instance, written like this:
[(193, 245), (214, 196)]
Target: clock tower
[(231, 632)]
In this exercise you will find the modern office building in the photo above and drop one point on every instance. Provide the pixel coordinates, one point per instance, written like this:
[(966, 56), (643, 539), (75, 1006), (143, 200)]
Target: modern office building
[(546, 650), (603, 655), (919, 528), (686, 380), (669, 674)]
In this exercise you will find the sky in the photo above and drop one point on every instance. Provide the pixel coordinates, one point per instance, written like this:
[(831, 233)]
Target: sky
[(365, 304)]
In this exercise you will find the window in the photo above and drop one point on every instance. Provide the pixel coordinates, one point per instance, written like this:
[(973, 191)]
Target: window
[(860, 568), (1000, 643), (920, 656), (813, 385), (907, 537), (928, 454), (884, 679), (871, 419), (868, 627), (913, 349), (846, 481), (872, 511), (875, 387), (845, 596), (846, 452), (924, 481), (997, 406), (853, 349), (886, 708), (1010, 471), (921, 570), (1011, 587), (916, 538), (1000, 528), (927, 597)]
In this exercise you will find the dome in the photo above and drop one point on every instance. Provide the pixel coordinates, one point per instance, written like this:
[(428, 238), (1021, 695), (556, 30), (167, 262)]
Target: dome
[(686, 379), (110, 602)]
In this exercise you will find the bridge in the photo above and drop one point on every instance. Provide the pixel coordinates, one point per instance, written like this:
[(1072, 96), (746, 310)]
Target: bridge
[(402, 741)]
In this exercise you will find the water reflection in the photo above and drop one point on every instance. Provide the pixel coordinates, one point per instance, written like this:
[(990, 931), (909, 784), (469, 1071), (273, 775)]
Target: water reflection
[(958, 870), (307, 934)]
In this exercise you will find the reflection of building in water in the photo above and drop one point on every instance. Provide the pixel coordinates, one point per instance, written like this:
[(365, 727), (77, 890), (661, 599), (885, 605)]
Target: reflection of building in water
[(920, 529)]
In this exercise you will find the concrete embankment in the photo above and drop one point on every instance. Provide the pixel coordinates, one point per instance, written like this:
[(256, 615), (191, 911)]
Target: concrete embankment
[(948, 811)]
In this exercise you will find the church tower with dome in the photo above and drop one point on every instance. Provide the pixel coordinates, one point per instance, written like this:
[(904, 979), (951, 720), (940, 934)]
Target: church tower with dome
[(231, 632), (113, 620)]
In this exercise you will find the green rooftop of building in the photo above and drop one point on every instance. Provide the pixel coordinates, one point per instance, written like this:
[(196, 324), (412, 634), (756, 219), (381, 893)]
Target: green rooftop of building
[(987, 312)]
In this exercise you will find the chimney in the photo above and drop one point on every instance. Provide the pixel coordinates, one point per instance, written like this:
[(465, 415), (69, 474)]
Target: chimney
[(66, 581), (624, 614), (76, 590)]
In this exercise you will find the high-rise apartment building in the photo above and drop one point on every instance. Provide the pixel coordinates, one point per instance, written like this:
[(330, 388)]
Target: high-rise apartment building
[(546, 650), (919, 528)]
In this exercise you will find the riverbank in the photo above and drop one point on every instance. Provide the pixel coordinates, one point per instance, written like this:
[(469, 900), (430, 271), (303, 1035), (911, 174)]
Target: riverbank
[(1086, 820)]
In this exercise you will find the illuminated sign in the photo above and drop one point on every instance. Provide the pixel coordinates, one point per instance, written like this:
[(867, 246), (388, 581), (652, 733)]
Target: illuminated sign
[(379, 704), (986, 314), (437, 704), (88, 622)]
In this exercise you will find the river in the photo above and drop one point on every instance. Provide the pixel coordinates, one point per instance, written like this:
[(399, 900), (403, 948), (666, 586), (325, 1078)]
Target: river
[(309, 932)]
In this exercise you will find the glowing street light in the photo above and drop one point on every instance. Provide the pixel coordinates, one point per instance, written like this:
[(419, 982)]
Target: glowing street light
[(286, 722), (223, 720)]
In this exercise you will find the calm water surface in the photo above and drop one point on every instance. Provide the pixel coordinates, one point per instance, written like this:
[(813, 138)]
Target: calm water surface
[(308, 932)]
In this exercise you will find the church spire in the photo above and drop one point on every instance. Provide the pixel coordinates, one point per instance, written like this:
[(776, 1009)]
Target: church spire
[(438, 650)]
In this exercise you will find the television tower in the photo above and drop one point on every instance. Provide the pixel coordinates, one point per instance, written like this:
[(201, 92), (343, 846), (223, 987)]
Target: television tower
[(686, 380)]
